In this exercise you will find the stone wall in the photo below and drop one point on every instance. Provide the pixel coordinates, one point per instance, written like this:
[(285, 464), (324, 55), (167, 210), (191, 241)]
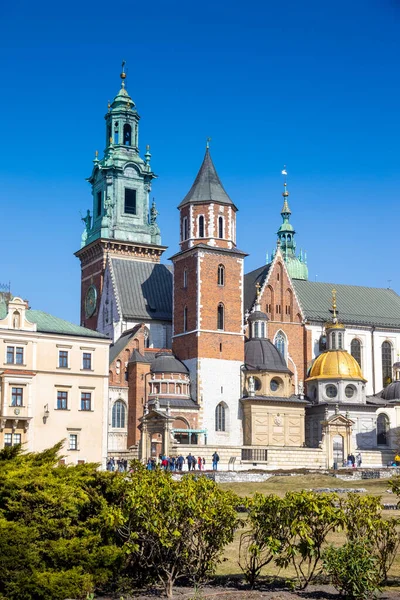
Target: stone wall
[(277, 458)]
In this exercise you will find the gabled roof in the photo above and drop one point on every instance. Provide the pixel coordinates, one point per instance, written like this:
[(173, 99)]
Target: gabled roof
[(207, 186), (358, 305), (121, 342), (250, 280), (144, 289)]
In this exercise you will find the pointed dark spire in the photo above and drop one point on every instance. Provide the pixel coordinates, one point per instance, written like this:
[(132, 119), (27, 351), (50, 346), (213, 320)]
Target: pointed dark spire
[(207, 186)]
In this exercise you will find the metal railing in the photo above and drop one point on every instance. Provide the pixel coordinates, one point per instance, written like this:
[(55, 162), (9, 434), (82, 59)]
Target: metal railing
[(255, 454)]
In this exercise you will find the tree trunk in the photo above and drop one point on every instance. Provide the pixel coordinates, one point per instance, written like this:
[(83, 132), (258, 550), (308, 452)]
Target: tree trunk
[(169, 584)]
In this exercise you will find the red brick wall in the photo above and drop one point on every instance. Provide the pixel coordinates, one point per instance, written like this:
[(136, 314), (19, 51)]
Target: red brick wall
[(211, 230), (278, 300), (213, 343)]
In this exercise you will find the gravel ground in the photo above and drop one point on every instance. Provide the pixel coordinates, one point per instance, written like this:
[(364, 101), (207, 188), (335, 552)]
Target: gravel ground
[(320, 592)]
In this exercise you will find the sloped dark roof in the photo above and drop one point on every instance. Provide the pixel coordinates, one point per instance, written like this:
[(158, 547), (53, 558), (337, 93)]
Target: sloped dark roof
[(178, 403), (390, 392), (250, 280), (358, 305), (165, 362), (121, 342), (257, 315), (207, 186), (261, 355), (136, 357), (144, 289)]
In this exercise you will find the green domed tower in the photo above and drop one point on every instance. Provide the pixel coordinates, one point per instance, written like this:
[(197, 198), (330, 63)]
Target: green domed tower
[(295, 264)]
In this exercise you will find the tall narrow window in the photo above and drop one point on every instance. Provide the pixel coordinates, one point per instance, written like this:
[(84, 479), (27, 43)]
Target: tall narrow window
[(73, 441), (127, 134), (17, 396), (355, 350), (386, 363), (62, 400), (86, 401), (333, 340), (220, 317), (201, 226), (220, 417), (99, 204), (63, 359), (118, 415), (185, 278), (185, 318), (10, 355), (382, 430), (220, 227), (130, 201), (221, 275), (184, 229), (256, 329), (263, 330), (116, 133), (340, 340), (19, 356), (280, 343), (87, 361)]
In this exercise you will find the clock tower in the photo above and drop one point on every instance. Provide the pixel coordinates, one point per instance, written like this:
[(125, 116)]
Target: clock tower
[(121, 222)]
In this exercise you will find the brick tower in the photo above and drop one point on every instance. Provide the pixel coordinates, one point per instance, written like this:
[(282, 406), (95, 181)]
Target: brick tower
[(121, 224), (208, 304)]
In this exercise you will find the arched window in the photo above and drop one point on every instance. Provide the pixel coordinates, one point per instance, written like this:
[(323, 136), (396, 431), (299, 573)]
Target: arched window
[(127, 134), (184, 229), (220, 316), (116, 132), (355, 350), (118, 414), (220, 417), (185, 316), (220, 227), (333, 341), (221, 275), (382, 430), (386, 363), (201, 226), (280, 343), (340, 340)]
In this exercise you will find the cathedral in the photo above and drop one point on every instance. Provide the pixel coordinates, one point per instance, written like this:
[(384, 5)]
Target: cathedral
[(267, 367)]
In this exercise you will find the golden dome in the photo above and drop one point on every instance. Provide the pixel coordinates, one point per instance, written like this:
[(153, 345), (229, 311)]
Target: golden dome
[(335, 364)]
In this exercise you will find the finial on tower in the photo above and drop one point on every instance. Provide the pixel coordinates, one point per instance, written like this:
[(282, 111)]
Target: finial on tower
[(285, 193), (208, 143), (334, 306), (123, 74)]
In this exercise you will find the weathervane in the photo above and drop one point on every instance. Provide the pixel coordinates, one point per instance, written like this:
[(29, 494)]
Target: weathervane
[(208, 142)]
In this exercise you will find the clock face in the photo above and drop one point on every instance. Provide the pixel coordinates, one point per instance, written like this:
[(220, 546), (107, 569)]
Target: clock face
[(90, 301)]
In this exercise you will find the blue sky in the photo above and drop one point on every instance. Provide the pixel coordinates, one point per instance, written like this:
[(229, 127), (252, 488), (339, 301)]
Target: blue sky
[(313, 85)]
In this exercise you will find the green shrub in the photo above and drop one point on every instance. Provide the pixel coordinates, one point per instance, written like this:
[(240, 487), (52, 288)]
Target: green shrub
[(353, 570)]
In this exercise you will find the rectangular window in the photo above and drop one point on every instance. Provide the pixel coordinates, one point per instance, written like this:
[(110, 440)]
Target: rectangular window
[(8, 439), (86, 401), (99, 203), (17, 439), (62, 400), (16, 396), (87, 361), (130, 201), (19, 356), (63, 359), (73, 441), (185, 278), (10, 355)]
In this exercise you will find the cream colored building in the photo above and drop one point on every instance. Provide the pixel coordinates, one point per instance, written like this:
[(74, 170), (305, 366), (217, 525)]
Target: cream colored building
[(53, 384)]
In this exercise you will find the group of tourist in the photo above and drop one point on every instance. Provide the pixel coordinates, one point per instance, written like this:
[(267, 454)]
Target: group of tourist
[(175, 463), (353, 461), (119, 464)]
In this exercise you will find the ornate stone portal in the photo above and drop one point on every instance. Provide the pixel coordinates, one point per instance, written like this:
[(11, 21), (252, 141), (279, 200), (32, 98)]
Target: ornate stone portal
[(155, 422), (336, 439)]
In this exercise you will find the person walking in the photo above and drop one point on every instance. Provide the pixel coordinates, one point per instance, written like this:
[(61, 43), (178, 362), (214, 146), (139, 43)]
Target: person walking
[(189, 459), (359, 460), (215, 461), (199, 463)]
